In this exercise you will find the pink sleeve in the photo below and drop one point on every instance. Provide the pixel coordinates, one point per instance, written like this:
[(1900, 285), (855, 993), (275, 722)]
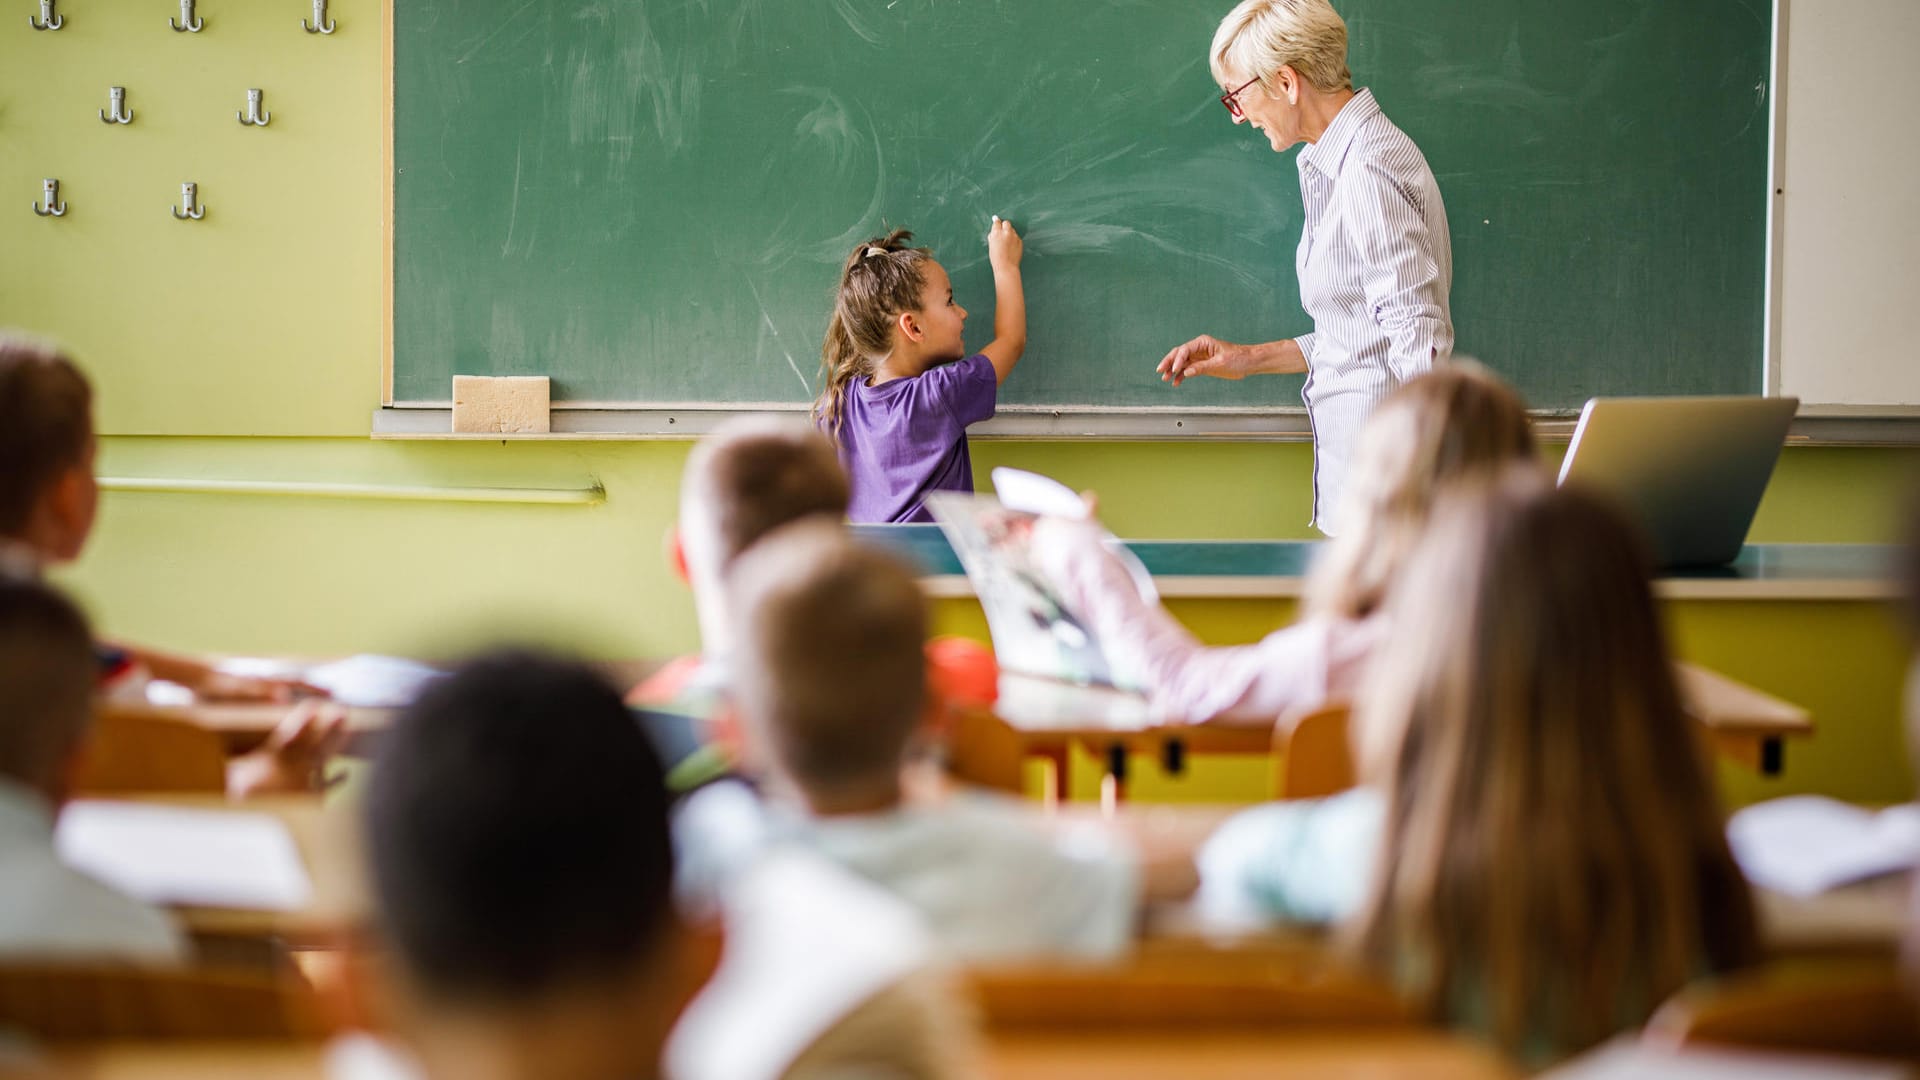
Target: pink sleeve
[(1301, 666)]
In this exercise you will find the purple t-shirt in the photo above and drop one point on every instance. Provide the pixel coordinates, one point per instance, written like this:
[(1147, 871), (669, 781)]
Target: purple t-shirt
[(903, 439)]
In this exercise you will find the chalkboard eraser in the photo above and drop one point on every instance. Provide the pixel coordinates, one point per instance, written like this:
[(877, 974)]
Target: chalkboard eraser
[(501, 404)]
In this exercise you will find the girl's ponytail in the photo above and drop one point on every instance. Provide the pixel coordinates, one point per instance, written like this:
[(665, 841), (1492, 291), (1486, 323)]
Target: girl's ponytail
[(882, 277)]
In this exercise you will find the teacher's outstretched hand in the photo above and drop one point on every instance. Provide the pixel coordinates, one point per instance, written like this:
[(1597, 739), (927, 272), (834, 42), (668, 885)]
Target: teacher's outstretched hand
[(1208, 355)]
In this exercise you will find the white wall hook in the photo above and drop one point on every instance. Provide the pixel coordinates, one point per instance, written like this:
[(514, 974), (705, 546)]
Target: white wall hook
[(116, 111), (189, 196), (321, 24), (54, 208), (47, 20), (255, 116), (187, 23)]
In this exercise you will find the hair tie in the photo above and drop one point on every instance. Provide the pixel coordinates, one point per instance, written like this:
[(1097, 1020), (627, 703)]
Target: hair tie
[(871, 250)]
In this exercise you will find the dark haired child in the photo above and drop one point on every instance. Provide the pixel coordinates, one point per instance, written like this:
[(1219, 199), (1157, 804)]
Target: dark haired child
[(48, 496), (49, 911)]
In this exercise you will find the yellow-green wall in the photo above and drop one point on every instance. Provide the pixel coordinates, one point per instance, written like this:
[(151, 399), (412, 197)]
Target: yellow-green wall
[(248, 346)]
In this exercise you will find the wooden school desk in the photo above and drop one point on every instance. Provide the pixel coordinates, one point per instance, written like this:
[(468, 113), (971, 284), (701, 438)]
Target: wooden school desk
[(1864, 919), (325, 834), (1747, 725), (245, 726), (1045, 719), (1070, 1055)]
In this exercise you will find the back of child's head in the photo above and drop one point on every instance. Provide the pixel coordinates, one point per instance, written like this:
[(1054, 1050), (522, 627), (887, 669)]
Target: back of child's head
[(749, 477), (831, 679), (48, 675), (516, 822), (1555, 862), (882, 278), (1456, 422), (46, 426)]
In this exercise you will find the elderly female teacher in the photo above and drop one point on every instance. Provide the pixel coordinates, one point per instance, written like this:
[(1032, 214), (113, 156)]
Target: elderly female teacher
[(1375, 261)]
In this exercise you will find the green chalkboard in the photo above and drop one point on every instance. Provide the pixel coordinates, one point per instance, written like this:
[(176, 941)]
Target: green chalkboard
[(649, 200)]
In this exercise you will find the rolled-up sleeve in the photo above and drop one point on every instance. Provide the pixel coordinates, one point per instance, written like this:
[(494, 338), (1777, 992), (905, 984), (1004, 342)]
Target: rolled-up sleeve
[(1301, 666), (1405, 285)]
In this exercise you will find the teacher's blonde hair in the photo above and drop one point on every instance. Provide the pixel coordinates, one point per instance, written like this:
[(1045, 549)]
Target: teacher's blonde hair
[(1259, 37)]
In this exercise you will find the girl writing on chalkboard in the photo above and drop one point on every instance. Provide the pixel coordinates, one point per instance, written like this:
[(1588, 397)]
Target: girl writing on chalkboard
[(900, 385)]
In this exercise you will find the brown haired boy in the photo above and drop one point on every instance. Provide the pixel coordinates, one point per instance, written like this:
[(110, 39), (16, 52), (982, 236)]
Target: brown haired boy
[(48, 496), (831, 685)]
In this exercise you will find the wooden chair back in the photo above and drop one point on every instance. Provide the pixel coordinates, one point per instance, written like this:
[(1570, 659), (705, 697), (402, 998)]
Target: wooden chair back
[(85, 1003), (1863, 1008), (1209, 989), (143, 750), (983, 751), (1311, 752)]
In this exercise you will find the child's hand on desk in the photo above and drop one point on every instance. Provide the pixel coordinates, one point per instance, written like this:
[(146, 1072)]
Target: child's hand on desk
[(294, 757)]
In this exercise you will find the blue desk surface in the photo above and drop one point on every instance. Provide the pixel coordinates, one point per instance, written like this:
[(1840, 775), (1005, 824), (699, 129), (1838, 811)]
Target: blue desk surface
[(1275, 568)]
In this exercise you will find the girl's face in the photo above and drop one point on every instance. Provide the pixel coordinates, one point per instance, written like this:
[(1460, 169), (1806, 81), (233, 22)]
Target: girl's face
[(940, 318)]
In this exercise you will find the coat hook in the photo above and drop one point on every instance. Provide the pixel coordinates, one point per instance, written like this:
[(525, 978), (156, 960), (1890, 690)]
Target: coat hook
[(51, 188), (117, 111), (187, 21), (189, 197), (255, 116), (47, 20), (321, 24)]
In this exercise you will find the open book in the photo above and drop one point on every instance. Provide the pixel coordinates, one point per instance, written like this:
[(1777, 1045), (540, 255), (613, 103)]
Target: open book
[(1034, 631)]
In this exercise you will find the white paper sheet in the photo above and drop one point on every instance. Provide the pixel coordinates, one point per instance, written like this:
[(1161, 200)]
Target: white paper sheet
[(1032, 493), (373, 682), (368, 680), (1624, 1060), (178, 855), (1803, 845)]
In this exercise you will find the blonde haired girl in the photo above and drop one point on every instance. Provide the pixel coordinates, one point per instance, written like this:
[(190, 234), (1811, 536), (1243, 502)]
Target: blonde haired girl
[(898, 396), (1459, 422), (1537, 852)]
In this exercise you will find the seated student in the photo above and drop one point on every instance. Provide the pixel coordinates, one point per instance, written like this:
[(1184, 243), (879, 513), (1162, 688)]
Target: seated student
[(517, 829), (48, 496), (750, 476), (47, 910), (1536, 852), (1452, 423), (831, 686)]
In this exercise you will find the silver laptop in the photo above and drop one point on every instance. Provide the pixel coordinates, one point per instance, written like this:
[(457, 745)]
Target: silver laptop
[(1694, 467)]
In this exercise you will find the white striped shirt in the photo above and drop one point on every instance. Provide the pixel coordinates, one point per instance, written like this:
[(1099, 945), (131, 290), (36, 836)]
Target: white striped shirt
[(1375, 267)]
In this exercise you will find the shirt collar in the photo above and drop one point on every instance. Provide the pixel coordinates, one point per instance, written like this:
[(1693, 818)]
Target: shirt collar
[(1327, 155), (24, 812)]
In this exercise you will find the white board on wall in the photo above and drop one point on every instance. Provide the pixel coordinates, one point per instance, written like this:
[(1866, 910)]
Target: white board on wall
[(1847, 240)]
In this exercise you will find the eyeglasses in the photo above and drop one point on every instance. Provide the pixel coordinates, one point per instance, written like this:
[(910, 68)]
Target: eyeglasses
[(1231, 99)]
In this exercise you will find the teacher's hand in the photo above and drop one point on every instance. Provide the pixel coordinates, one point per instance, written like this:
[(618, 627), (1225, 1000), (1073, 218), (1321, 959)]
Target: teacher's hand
[(1208, 355)]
